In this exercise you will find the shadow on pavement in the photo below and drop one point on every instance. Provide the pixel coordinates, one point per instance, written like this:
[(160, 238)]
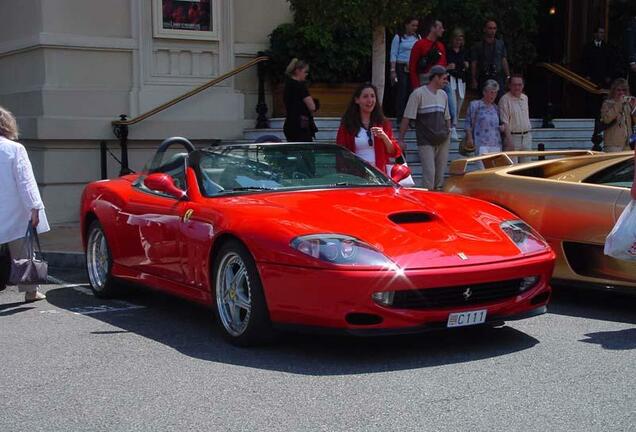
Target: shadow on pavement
[(5, 306), (587, 303), (13, 308), (189, 329), (613, 340)]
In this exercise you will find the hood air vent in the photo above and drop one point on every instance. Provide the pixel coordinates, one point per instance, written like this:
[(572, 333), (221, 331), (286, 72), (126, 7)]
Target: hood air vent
[(410, 217)]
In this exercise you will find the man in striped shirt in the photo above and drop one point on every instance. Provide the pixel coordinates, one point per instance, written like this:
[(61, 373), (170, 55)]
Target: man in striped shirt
[(428, 106)]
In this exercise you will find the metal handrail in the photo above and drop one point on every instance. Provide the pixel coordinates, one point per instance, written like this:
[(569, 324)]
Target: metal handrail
[(574, 78), (189, 94), (120, 127)]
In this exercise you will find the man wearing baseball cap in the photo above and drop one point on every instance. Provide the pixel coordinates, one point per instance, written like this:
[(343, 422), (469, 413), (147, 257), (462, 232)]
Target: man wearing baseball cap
[(428, 106)]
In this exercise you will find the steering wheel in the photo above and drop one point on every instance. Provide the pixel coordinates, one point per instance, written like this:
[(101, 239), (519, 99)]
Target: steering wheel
[(299, 176)]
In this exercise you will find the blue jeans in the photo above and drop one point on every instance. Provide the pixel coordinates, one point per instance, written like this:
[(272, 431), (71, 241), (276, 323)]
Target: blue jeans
[(452, 105)]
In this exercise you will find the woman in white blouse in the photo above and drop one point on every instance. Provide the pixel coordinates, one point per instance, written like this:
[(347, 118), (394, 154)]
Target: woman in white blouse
[(400, 54), (19, 196)]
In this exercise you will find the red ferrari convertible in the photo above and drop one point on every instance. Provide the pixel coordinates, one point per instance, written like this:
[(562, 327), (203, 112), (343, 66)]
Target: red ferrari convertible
[(310, 236)]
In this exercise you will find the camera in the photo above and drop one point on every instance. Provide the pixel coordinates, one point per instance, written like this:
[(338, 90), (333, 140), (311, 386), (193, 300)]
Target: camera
[(490, 71)]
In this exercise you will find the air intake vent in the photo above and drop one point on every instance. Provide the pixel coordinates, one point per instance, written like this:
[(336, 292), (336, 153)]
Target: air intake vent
[(410, 217)]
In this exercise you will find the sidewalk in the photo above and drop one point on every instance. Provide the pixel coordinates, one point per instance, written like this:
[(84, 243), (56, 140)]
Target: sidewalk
[(62, 246)]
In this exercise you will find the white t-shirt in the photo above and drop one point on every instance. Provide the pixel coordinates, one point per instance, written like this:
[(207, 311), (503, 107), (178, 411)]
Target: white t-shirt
[(363, 149)]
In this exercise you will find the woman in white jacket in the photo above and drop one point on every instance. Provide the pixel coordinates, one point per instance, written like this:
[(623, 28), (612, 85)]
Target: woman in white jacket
[(19, 195)]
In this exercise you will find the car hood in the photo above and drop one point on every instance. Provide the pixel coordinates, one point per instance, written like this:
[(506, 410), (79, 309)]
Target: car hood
[(413, 228)]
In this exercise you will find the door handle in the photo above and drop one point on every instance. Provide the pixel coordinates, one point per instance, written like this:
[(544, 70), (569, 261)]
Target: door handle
[(187, 215)]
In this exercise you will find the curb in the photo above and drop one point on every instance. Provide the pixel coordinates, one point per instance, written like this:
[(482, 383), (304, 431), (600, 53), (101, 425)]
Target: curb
[(76, 260)]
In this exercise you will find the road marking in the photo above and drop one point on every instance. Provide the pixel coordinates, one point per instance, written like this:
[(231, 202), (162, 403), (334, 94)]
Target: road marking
[(82, 288), (92, 310)]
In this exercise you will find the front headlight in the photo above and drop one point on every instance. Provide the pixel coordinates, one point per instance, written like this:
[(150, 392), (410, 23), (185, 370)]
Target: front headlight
[(340, 249), (524, 237)]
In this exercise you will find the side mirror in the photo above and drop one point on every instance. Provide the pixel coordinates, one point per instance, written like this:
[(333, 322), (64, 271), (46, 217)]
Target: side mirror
[(162, 182), (399, 172)]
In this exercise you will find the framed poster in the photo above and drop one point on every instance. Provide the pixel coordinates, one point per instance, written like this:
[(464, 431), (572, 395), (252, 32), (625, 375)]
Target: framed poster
[(186, 19)]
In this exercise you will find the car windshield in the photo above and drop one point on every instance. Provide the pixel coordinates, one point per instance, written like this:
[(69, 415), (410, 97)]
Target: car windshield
[(266, 167), (619, 175)]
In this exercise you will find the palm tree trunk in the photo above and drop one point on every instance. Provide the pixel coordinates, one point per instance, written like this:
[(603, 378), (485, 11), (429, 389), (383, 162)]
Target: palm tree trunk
[(378, 60)]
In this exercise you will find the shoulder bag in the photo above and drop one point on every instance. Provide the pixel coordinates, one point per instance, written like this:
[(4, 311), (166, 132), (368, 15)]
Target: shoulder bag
[(467, 148), (31, 270)]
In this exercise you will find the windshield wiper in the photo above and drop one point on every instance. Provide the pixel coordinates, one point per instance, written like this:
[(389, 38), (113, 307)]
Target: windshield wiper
[(248, 188), (353, 184), (345, 184)]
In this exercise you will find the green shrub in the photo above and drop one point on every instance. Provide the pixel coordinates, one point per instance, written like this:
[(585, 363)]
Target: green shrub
[(335, 36), (337, 54)]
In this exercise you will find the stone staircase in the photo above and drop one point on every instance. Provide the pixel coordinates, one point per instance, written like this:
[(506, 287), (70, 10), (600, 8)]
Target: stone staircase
[(567, 134)]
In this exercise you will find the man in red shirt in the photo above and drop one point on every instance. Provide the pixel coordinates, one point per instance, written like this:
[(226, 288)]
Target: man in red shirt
[(431, 49)]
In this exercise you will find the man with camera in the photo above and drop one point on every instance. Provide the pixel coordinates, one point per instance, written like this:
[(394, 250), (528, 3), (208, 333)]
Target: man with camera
[(426, 53), (429, 52), (489, 59)]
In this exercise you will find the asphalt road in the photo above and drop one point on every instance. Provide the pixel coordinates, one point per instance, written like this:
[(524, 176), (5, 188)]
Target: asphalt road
[(154, 363)]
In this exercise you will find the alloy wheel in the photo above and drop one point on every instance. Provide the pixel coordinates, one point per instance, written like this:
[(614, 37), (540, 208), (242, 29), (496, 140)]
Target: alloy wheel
[(97, 259), (233, 293)]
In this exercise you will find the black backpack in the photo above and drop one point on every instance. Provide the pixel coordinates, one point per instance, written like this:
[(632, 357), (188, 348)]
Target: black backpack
[(430, 59)]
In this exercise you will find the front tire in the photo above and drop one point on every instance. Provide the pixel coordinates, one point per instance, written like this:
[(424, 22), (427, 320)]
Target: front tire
[(240, 305), (99, 262)]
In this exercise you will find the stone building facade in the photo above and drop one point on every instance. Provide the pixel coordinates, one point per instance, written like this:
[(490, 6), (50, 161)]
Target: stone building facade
[(68, 68)]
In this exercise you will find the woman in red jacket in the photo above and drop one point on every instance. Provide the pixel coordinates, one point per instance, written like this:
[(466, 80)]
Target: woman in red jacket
[(364, 130)]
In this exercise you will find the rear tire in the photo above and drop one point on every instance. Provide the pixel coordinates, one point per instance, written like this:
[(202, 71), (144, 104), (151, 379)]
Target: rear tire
[(99, 263), (240, 306)]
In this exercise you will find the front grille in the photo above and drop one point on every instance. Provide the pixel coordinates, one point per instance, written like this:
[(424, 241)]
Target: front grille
[(464, 295)]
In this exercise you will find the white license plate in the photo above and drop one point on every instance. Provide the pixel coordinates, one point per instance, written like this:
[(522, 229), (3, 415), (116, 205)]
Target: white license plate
[(461, 319)]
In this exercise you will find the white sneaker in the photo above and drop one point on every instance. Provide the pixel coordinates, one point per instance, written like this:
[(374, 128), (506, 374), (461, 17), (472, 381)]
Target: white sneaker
[(30, 297), (454, 134)]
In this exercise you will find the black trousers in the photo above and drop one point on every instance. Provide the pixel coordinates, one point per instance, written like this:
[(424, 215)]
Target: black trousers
[(632, 82), (402, 91), (5, 266), (298, 135)]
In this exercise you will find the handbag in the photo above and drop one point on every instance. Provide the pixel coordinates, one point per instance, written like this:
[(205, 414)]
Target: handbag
[(467, 148), (31, 270), (408, 181)]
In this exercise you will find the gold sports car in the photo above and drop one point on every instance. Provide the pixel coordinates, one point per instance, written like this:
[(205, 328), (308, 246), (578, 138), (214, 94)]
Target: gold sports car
[(573, 200)]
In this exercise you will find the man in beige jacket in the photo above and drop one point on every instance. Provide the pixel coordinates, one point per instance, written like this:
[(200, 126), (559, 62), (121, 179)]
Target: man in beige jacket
[(515, 116)]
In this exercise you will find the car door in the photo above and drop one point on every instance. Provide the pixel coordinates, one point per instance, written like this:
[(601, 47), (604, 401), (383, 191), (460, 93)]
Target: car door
[(621, 203), (152, 222), (585, 212)]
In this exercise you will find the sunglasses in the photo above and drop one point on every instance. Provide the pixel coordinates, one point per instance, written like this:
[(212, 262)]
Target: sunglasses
[(370, 137)]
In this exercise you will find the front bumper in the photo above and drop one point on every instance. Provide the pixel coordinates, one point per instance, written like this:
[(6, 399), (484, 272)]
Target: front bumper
[(325, 298), (379, 331)]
